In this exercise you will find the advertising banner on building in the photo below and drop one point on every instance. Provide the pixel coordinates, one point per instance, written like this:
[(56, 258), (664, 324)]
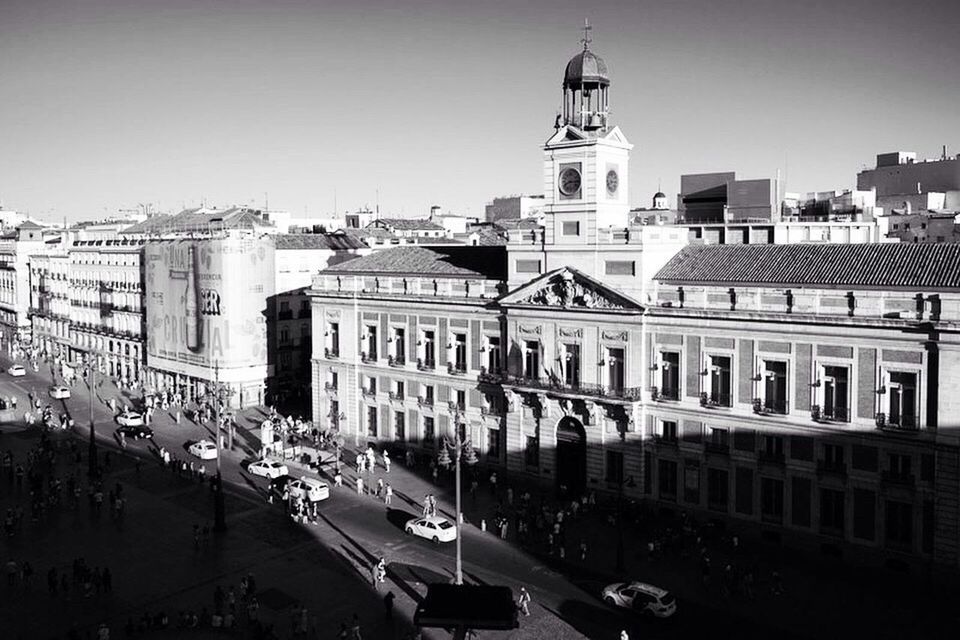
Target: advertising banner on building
[(206, 303)]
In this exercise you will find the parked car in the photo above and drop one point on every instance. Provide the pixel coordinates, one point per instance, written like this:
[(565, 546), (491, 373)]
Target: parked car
[(59, 392), (433, 528), (203, 449), (130, 419), (267, 468), (135, 432), (17, 370), (642, 598), (303, 487)]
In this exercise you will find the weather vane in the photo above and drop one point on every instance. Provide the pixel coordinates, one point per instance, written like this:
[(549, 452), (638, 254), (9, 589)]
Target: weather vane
[(586, 34)]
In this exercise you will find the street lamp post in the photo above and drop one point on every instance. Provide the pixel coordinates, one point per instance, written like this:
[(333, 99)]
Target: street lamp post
[(94, 466), (460, 446), (219, 508)]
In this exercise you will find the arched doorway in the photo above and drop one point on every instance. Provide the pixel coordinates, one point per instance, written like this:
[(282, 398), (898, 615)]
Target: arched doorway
[(571, 468)]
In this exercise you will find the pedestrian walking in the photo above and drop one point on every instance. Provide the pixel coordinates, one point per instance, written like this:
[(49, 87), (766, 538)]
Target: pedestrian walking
[(379, 487), (359, 486), (355, 628), (388, 605), (388, 494), (386, 461), (338, 479), (524, 601)]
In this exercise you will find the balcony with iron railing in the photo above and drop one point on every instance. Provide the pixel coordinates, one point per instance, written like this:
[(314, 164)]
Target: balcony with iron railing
[(368, 358), (767, 407), (664, 393), (902, 423), (491, 411), (330, 387), (424, 402), (368, 392), (455, 406), (834, 414), (665, 440), (331, 354), (560, 386), (396, 397), (457, 368), (396, 361), (490, 377), (426, 365), (715, 400)]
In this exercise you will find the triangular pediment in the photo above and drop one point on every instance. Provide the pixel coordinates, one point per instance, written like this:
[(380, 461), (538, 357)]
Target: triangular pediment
[(616, 135), (567, 133), (568, 288)]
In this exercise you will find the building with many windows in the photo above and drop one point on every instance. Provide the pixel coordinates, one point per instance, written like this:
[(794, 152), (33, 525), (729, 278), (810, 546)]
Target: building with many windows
[(802, 389), (16, 249)]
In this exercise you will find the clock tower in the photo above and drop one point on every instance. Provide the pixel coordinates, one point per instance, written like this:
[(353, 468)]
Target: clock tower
[(586, 159)]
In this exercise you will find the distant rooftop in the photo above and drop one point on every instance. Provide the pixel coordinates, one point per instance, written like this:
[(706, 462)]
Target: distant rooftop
[(335, 242), (200, 220), (408, 224), (890, 266), (469, 262)]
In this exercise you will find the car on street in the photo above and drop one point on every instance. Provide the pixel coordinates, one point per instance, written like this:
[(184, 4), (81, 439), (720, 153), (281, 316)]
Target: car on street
[(135, 432), (203, 449), (303, 487), (59, 392), (642, 598), (267, 468), (17, 370), (130, 419), (432, 528)]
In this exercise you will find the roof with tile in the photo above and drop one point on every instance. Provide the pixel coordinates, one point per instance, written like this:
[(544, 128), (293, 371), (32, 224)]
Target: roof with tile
[(454, 261), (407, 224), (884, 266), (331, 241), (201, 221)]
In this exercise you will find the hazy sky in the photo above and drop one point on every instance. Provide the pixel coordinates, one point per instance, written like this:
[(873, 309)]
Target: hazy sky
[(108, 103)]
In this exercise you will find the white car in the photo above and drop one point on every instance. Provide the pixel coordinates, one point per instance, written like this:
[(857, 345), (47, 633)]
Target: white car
[(309, 489), (17, 370), (267, 468), (433, 528), (59, 392), (130, 419), (642, 598), (203, 449)]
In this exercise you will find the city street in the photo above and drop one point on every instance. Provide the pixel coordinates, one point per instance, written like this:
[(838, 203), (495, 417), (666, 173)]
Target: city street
[(353, 532)]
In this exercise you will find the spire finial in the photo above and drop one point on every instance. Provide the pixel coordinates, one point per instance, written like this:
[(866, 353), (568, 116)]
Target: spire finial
[(586, 40)]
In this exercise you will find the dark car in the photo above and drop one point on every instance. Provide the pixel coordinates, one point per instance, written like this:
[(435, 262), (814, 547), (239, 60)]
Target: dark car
[(135, 433)]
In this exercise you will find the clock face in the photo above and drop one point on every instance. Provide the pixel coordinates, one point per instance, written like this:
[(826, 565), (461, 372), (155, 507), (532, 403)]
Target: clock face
[(569, 181), (613, 181)]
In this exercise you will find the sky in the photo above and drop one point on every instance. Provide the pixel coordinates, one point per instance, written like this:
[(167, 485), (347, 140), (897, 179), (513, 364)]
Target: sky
[(310, 105)]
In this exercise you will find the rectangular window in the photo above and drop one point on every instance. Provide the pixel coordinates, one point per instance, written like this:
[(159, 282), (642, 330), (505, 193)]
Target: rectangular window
[(371, 386), (718, 488), (832, 457), (744, 491), (399, 426), (864, 514), (493, 354), (614, 467), (615, 369), (369, 350), (899, 468), (399, 346), (670, 375), (832, 507), (428, 394), (902, 406), (334, 414), (772, 448), (528, 266), (372, 422), (668, 479), (775, 387), (720, 381), (429, 349), (531, 453), (461, 399), (429, 432), (460, 351), (571, 365), (531, 360), (493, 444), (399, 390), (668, 431), (719, 439), (570, 228), (771, 500), (620, 268), (335, 339), (899, 523), (836, 389)]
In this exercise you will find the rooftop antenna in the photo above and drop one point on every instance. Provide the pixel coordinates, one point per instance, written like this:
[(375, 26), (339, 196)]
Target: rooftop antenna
[(944, 156), (586, 40)]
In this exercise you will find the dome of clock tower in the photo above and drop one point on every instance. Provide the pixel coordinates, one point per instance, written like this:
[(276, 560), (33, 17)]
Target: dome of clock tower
[(585, 68)]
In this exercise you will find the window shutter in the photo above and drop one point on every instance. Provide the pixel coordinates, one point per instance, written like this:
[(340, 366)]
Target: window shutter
[(386, 427), (412, 338), (443, 425), (384, 329), (866, 382), (442, 338), (413, 425), (476, 398), (693, 366), (475, 344), (443, 394), (413, 388), (801, 375), (745, 384)]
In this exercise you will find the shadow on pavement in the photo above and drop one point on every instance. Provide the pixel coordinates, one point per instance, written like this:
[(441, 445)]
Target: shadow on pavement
[(399, 518)]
